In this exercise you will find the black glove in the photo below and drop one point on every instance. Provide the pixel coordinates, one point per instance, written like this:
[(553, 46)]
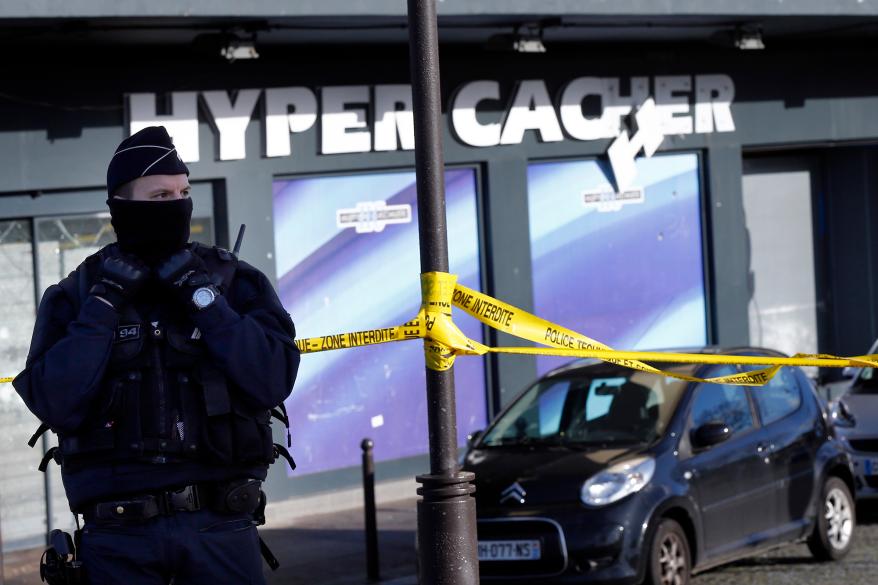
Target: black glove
[(119, 280), (182, 274)]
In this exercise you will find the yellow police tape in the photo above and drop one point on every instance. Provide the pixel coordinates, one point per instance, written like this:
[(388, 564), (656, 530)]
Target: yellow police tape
[(5, 380), (443, 341)]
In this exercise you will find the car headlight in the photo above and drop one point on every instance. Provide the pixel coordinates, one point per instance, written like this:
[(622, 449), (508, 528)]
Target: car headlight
[(617, 481)]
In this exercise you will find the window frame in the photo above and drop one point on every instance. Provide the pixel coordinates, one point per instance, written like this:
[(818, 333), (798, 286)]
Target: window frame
[(797, 384), (686, 441)]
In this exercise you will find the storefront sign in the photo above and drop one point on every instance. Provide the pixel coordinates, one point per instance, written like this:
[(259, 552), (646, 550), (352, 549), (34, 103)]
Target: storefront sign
[(373, 216), (362, 118)]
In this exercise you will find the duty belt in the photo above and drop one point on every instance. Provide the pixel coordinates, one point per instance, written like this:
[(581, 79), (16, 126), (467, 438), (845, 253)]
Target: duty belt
[(236, 497)]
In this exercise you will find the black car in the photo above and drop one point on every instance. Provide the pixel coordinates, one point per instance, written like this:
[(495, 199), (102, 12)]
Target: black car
[(599, 473)]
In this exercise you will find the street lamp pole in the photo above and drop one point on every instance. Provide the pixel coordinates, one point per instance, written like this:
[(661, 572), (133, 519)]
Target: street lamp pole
[(446, 511)]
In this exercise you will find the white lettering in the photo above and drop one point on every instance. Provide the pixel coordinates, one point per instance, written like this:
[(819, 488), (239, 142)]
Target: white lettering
[(231, 120), (613, 105), (393, 117), (182, 125), (531, 110), (464, 122), (713, 101), (623, 151), (280, 122), (336, 120), (669, 103), (576, 124), (360, 118), (619, 105)]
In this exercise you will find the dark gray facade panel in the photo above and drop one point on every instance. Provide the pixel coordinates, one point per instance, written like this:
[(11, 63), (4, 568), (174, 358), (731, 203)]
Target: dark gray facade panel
[(274, 8), (729, 262), (853, 249), (509, 275)]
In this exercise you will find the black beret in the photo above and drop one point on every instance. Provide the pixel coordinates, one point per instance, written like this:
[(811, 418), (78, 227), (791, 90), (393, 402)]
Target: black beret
[(147, 152)]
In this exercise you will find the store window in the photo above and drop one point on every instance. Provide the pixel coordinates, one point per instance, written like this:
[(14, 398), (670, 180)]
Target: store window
[(347, 259), (626, 270)]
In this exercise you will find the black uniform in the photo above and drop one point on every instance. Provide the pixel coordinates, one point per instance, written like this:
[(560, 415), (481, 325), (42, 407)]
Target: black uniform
[(154, 398), (159, 364)]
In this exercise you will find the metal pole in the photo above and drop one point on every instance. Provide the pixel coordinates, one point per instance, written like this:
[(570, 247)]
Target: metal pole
[(44, 443), (447, 510), (372, 565)]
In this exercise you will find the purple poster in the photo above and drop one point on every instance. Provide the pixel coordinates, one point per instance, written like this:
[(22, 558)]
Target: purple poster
[(347, 260), (624, 269)]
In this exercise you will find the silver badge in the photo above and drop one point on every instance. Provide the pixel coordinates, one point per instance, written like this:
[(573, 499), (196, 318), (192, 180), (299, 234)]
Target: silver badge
[(514, 493)]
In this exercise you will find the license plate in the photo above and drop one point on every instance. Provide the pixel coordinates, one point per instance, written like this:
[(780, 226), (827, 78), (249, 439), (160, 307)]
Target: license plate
[(509, 550), (870, 466)]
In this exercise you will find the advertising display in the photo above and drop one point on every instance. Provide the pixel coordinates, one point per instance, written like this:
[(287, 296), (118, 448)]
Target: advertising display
[(625, 268), (347, 259)]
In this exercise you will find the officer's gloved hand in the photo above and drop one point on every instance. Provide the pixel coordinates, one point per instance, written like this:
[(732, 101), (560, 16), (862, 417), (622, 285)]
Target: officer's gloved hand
[(183, 273), (119, 280)]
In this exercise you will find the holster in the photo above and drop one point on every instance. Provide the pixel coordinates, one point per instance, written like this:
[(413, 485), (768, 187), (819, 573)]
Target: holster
[(239, 496), (59, 566)]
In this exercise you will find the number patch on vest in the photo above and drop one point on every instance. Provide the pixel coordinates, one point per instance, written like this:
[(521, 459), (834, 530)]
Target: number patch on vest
[(127, 333)]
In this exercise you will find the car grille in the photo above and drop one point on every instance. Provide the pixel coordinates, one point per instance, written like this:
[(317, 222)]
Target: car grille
[(867, 445), (552, 544)]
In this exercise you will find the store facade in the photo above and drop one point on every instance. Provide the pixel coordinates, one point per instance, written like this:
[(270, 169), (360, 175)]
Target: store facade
[(648, 197)]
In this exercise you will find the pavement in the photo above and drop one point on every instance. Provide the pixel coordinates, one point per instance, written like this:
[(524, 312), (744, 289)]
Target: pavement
[(329, 549), (324, 549)]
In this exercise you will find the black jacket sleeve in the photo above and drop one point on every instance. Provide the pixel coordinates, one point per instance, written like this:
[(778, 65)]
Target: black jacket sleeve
[(249, 335), (67, 359)]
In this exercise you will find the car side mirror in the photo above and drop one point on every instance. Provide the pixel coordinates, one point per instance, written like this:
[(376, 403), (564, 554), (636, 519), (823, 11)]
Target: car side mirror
[(473, 437), (710, 434)]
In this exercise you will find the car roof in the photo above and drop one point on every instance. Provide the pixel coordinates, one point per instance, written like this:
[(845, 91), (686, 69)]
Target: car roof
[(580, 366)]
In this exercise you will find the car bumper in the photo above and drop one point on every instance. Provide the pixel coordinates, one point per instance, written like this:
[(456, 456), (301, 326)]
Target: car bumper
[(579, 545)]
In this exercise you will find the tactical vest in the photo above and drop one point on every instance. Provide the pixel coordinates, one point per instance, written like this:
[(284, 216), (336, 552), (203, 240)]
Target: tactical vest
[(163, 400)]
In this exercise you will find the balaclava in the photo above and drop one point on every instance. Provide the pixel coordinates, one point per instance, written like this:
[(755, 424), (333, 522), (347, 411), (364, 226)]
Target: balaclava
[(151, 230)]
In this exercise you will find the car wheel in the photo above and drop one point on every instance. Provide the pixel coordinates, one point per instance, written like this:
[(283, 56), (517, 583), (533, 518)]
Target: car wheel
[(669, 558), (833, 532)]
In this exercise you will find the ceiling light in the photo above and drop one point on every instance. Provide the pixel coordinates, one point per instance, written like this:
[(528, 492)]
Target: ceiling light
[(239, 49), (527, 38), (748, 40)]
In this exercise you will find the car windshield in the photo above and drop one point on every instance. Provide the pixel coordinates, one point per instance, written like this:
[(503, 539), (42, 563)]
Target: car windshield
[(601, 406)]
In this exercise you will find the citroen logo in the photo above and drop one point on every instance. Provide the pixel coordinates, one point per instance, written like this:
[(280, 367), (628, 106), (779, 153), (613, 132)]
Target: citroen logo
[(514, 493)]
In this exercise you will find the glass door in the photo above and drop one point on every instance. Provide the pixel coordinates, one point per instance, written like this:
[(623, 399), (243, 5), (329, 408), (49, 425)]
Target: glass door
[(783, 308)]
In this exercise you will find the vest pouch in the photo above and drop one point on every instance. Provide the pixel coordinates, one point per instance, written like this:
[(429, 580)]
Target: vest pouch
[(252, 436), (129, 431), (114, 433), (216, 432), (231, 431), (216, 439), (238, 438)]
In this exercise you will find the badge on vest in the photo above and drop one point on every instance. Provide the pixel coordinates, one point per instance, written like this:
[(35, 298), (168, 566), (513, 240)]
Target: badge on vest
[(127, 333)]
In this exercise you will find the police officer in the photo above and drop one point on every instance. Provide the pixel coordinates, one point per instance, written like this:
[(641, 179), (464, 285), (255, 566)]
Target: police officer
[(158, 363)]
